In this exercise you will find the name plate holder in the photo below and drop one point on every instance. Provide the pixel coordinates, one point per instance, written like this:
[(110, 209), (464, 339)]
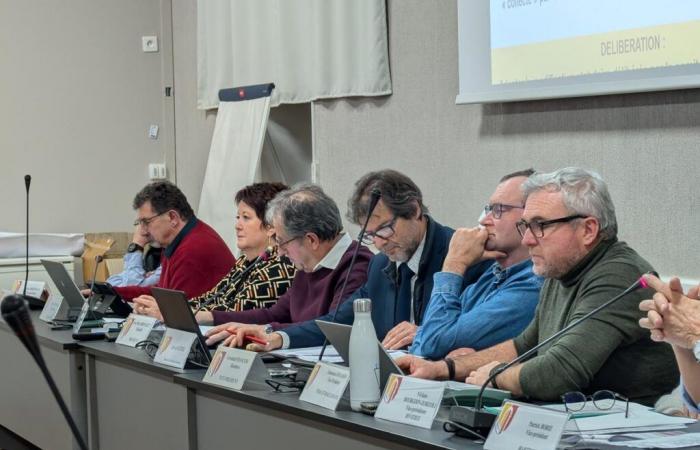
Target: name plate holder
[(34, 288), (174, 348), (51, 308), (520, 425), (326, 385), (236, 369), (411, 401), (135, 329)]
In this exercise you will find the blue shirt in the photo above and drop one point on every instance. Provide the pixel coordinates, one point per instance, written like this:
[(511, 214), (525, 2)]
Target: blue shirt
[(495, 308), (688, 401), (134, 274)]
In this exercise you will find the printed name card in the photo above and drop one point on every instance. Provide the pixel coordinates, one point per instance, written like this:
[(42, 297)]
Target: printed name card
[(135, 329), (519, 425), (34, 288), (174, 348), (326, 385), (51, 308), (234, 368), (410, 400)]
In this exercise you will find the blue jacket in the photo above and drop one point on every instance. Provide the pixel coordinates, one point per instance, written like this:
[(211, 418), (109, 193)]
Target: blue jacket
[(381, 287)]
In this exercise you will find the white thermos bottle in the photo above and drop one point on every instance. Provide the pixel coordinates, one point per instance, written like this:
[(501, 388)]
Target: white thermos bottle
[(364, 356)]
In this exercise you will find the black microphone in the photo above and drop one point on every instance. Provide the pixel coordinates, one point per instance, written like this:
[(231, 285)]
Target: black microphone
[(34, 302), (375, 195), (480, 421), (16, 315), (263, 257)]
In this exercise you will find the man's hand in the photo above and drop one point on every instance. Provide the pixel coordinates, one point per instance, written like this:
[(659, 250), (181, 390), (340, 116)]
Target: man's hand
[(460, 352), (147, 306), (420, 368), (466, 248), (480, 375), (672, 316), (241, 332), (139, 238), (400, 336)]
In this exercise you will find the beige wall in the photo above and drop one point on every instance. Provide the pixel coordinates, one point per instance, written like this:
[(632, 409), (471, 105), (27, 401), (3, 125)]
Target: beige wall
[(645, 145)]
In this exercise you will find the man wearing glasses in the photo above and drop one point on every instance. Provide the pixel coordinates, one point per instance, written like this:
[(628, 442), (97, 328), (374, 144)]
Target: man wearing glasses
[(501, 303), (194, 256), (400, 278), (570, 227)]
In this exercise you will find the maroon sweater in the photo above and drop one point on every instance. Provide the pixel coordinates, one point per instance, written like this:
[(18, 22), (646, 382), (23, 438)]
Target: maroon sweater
[(311, 294), (194, 262)]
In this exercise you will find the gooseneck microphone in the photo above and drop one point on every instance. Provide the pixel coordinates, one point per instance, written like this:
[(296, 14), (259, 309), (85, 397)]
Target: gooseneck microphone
[(16, 315), (375, 195), (480, 421), (263, 257), (34, 302)]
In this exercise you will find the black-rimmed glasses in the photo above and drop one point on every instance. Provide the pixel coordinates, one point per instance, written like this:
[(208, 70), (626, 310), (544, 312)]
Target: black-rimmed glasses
[(145, 222), (383, 232), (286, 386), (497, 209), (537, 226), (283, 244), (602, 400)]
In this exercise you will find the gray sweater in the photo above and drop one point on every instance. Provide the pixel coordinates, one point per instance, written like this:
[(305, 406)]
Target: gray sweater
[(608, 351)]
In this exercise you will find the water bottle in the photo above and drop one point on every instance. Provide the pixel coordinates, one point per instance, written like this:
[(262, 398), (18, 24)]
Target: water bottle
[(364, 356)]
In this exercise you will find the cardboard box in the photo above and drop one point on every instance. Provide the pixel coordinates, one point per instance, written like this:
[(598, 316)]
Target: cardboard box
[(111, 246)]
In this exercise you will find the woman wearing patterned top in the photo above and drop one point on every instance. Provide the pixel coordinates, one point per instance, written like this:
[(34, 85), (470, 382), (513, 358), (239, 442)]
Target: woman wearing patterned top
[(261, 285)]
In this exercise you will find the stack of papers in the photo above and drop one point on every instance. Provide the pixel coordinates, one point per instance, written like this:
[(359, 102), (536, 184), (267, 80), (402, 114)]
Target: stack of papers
[(310, 354)]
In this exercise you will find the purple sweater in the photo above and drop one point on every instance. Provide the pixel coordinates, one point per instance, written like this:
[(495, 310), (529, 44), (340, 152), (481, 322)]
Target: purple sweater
[(311, 294)]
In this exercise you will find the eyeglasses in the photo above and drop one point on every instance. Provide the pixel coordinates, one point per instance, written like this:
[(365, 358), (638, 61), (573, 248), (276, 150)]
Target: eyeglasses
[(497, 209), (281, 245), (285, 386), (147, 221), (383, 232), (602, 400), (537, 226)]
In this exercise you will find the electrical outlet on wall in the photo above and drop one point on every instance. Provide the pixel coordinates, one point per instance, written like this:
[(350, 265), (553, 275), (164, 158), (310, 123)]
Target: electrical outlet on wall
[(157, 171)]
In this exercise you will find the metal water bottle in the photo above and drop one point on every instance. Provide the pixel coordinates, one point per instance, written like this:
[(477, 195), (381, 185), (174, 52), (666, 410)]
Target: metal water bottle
[(364, 356)]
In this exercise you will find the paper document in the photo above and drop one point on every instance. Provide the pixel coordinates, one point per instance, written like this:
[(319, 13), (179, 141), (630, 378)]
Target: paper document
[(683, 440), (640, 418), (310, 354)]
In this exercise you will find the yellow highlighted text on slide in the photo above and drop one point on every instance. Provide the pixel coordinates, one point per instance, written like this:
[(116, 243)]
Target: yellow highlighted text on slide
[(641, 48)]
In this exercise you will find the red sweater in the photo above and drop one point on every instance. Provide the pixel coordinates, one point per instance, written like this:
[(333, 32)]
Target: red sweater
[(311, 294), (194, 262)]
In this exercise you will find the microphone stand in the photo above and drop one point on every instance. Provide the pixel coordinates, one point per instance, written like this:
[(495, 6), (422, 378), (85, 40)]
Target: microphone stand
[(477, 418), (33, 302), (375, 196)]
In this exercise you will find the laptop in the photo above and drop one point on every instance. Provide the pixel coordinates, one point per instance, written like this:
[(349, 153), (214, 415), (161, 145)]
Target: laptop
[(338, 334), (73, 300), (177, 314)]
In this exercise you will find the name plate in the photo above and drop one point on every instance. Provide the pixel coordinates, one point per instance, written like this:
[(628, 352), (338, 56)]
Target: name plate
[(326, 385), (519, 425), (174, 348), (410, 400), (135, 329), (34, 288), (51, 308), (234, 368)]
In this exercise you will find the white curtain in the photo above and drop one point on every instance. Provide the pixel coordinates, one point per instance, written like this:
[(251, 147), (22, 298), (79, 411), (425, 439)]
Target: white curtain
[(310, 49), (234, 157)]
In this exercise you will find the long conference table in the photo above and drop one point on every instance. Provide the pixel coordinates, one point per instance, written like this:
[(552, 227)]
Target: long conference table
[(121, 399)]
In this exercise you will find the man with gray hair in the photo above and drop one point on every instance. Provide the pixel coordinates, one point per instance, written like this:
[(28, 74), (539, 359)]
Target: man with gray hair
[(309, 231), (570, 228)]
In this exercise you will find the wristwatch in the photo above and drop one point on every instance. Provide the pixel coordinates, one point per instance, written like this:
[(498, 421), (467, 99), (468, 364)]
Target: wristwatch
[(134, 247), (696, 350), (268, 329)]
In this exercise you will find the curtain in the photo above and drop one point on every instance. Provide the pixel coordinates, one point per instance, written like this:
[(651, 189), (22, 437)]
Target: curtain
[(310, 49)]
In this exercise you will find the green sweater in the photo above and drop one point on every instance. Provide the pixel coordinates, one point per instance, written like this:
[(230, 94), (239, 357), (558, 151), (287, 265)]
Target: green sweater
[(609, 350)]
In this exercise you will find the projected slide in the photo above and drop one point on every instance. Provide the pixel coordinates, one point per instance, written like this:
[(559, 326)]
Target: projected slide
[(549, 39)]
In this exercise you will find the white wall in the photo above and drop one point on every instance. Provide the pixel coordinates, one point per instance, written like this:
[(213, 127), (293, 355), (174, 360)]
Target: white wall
[(644, 145)]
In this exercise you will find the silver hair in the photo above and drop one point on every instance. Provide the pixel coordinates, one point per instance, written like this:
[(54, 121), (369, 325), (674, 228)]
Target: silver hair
[(583, 191), (305, 208)]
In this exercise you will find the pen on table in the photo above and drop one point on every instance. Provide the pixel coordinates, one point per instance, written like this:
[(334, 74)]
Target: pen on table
[(251, 338)]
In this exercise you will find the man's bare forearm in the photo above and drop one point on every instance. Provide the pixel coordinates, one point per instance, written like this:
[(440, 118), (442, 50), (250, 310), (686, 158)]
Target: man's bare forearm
[(505, 351)]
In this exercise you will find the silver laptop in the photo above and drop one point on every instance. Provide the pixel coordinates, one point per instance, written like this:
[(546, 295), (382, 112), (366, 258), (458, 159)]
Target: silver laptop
[(73, 300), (338, 334)]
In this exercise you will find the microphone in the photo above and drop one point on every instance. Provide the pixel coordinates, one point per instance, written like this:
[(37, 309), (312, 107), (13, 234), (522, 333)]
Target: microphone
[(16, 315), (478, 420), (263, 257), (34, 303), (375, 195)]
